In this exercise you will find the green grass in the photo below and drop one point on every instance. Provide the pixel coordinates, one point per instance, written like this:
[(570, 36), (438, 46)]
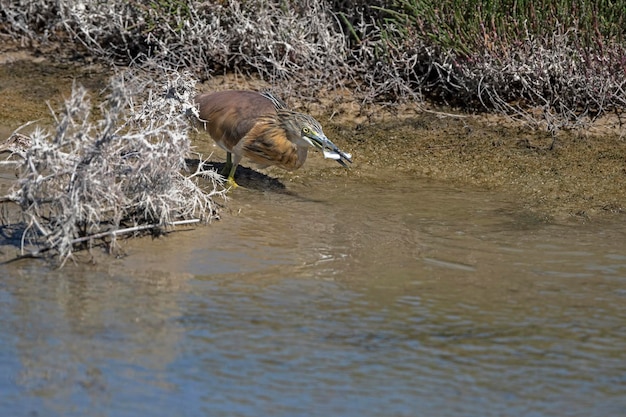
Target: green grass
[(473, 26)]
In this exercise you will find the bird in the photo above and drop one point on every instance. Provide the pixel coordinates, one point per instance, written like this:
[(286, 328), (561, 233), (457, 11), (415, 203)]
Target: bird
[(260, 127)]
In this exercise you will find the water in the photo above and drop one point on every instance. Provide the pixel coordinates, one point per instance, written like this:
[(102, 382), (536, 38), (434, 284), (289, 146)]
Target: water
[(352, 297)]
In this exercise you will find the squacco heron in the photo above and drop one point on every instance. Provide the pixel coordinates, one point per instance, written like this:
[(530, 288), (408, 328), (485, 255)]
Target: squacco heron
[(259, 126)]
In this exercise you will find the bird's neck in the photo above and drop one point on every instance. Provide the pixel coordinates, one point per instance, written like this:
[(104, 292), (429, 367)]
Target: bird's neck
[(301, 154), (283, 151), (292, 155), (291, 128)]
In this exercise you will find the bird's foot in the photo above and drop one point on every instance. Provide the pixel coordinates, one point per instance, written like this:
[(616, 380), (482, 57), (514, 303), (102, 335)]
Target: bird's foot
[(231, 183)]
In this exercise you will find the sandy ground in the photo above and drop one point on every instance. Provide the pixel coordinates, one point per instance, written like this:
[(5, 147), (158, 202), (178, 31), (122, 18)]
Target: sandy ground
[(579, 176)]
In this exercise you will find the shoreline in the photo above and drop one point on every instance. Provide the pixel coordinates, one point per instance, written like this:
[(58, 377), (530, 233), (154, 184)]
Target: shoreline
[(581, 177)]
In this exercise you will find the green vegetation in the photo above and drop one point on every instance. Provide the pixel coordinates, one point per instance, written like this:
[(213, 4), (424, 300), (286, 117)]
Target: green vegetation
[(477, 26)]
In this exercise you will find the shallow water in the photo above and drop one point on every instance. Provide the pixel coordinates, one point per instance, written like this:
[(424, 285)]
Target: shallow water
[(354, 297)]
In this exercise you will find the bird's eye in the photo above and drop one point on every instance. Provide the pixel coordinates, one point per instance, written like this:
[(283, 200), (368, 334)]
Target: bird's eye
[(306, 130)]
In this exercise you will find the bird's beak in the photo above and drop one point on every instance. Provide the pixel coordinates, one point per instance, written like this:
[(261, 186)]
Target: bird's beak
[(316, 142), (329, 149)]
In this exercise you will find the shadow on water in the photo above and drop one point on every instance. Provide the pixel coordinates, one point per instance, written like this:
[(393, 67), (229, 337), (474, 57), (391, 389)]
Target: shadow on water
[(11, 235), (253, 179), (245, 177)]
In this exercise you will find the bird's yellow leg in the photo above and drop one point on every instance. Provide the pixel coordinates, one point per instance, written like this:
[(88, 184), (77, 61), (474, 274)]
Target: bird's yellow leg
[(230, 169), (228, 165), (231, 177)]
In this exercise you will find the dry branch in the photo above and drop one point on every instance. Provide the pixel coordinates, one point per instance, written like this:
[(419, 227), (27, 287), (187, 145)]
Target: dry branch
[(94, 178)]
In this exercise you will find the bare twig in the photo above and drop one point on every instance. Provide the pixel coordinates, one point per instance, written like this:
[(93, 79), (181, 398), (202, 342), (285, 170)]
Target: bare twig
[(94, 178)]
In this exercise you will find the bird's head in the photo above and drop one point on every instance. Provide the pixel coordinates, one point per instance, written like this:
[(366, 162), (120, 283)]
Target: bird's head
[(311, 135)]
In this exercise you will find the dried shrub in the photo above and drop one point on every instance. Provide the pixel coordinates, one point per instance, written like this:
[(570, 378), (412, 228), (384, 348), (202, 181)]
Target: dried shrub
[(288, 40), (565, 58), (92, 179), (557, 65)]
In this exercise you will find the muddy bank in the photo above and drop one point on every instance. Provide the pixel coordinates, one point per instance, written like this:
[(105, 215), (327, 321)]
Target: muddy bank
[(578, 175), (581, 177)]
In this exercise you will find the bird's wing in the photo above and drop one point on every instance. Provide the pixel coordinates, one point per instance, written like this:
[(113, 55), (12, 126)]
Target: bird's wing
[(230, 115), (267, 144), (266, 141)]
